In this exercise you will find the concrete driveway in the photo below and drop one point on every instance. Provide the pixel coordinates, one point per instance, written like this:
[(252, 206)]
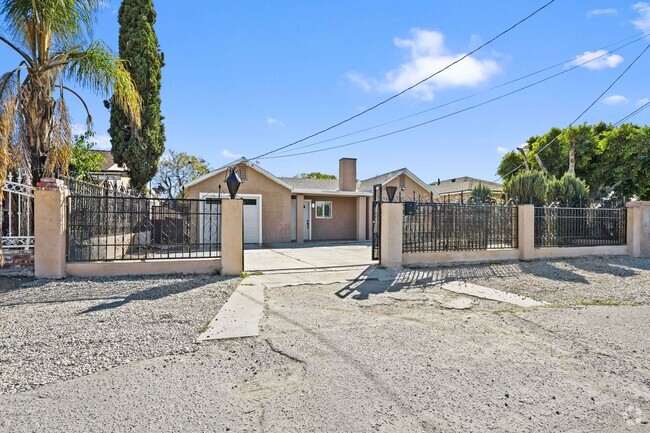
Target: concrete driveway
[(308, 256)]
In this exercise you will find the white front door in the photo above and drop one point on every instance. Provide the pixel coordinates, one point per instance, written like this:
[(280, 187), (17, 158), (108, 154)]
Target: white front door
[(306, 224)]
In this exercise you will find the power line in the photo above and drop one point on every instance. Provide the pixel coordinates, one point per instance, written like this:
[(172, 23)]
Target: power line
[(413, 86), (643, 35), (585, 110), (632, 114), (441, 117)]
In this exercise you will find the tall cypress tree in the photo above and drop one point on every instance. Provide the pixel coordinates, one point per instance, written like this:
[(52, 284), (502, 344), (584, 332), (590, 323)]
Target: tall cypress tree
[(138, 45)]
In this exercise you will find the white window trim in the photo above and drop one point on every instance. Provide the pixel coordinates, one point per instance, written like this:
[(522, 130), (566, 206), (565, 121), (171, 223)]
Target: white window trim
[(323, 204)]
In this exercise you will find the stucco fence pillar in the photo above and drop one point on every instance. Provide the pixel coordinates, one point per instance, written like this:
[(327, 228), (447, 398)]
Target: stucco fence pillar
[(232, 237), (526, 231), (49, 228), (638, 228), (392, 215)]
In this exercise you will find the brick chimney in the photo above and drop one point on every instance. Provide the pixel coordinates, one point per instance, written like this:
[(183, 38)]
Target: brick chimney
[(348, 174)]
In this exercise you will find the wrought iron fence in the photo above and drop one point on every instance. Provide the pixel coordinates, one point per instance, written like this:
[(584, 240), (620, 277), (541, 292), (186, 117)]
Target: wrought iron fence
[(17, 212), (92, 187), (580, 227), (431, 227), (106, 228)]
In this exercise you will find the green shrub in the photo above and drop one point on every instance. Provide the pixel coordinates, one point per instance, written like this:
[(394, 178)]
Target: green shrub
[(527, 187), (568, 191), (481, 194)]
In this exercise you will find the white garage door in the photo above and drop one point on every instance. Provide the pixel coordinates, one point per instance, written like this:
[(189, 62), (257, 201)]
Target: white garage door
[(251, 221)]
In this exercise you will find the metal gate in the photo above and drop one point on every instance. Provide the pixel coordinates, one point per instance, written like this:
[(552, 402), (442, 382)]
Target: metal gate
[(376, 221), (17, 213)]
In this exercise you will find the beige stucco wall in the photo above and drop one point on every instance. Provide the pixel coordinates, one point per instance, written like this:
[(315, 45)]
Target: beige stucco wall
[(138, 267), (409, 185), (276, 201), (342, 225)]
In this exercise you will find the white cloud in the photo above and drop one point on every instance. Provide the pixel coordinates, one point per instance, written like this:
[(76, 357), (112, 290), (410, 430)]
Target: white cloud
[(642, 101), (228, 154), (643, 22), (428, 54), (597, 60), (615, 100), (598, 12), (502, 150), (102, 141), (274, 121)]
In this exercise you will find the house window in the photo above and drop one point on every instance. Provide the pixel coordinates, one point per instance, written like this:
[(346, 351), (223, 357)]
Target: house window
[(323, 209)]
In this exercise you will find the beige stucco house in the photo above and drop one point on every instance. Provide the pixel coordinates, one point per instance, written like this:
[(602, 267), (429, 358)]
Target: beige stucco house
[(459, 189), (283, 209)]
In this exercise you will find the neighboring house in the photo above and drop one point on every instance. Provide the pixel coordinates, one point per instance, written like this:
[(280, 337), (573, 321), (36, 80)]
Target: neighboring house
[(110, 171), (285, 209), (459, 189)]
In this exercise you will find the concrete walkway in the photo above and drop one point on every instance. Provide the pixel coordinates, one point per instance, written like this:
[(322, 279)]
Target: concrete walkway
[(280, 266), (294, 265)]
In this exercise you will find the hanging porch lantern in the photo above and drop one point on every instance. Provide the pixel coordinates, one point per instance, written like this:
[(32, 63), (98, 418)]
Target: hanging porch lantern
[(232, 182)]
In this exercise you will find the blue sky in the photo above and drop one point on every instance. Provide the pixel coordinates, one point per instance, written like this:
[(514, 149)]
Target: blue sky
[(245, 77)]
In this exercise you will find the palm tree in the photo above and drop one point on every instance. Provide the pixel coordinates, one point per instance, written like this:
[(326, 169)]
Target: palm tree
[(51, 39)]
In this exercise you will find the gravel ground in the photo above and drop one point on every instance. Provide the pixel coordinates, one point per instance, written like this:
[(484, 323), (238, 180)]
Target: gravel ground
[(583, 281), (52, 330), (381, 356)]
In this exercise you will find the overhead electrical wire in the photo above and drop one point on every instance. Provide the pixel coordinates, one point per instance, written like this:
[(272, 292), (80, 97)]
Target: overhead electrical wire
[(413, 86), (417, 125), (585, 111), (638, 36), (632, 114)]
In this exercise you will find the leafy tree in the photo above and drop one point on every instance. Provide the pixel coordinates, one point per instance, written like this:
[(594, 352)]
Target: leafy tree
[(624, 161), (609, 159), (54, 52), (527, 187), (481, 194), (316, 175), (139, 149), (177, 169), (511, 163), (568, 191), (84, 158)]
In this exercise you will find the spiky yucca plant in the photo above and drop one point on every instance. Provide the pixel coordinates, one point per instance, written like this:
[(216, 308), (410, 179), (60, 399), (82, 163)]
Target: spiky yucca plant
[(568, 191), (527, 187), (481, 194)]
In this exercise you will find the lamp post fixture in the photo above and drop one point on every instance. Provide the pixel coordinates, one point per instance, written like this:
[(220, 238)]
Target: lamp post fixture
[(390, 192), (232, 182)]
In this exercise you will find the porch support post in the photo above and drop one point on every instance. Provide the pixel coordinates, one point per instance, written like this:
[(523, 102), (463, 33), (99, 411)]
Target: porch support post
[(232, 237), (361, 218), (392, 215), (50, 228), (638, 228), (526, 225), (300, 218)]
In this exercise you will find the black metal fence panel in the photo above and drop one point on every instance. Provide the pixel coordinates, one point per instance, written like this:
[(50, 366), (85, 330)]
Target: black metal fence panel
[(433, 227), (94, 188), (580, 227), (107, 228)]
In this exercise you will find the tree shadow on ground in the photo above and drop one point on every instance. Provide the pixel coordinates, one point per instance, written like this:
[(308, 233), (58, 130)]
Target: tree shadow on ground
[(607, 265), (118, 289), (551, 271), (418, 278), (152, 293)]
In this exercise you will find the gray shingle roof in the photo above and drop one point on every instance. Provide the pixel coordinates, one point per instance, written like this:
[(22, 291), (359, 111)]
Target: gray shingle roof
[(366, 185), (465, 183), (315, 184)]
